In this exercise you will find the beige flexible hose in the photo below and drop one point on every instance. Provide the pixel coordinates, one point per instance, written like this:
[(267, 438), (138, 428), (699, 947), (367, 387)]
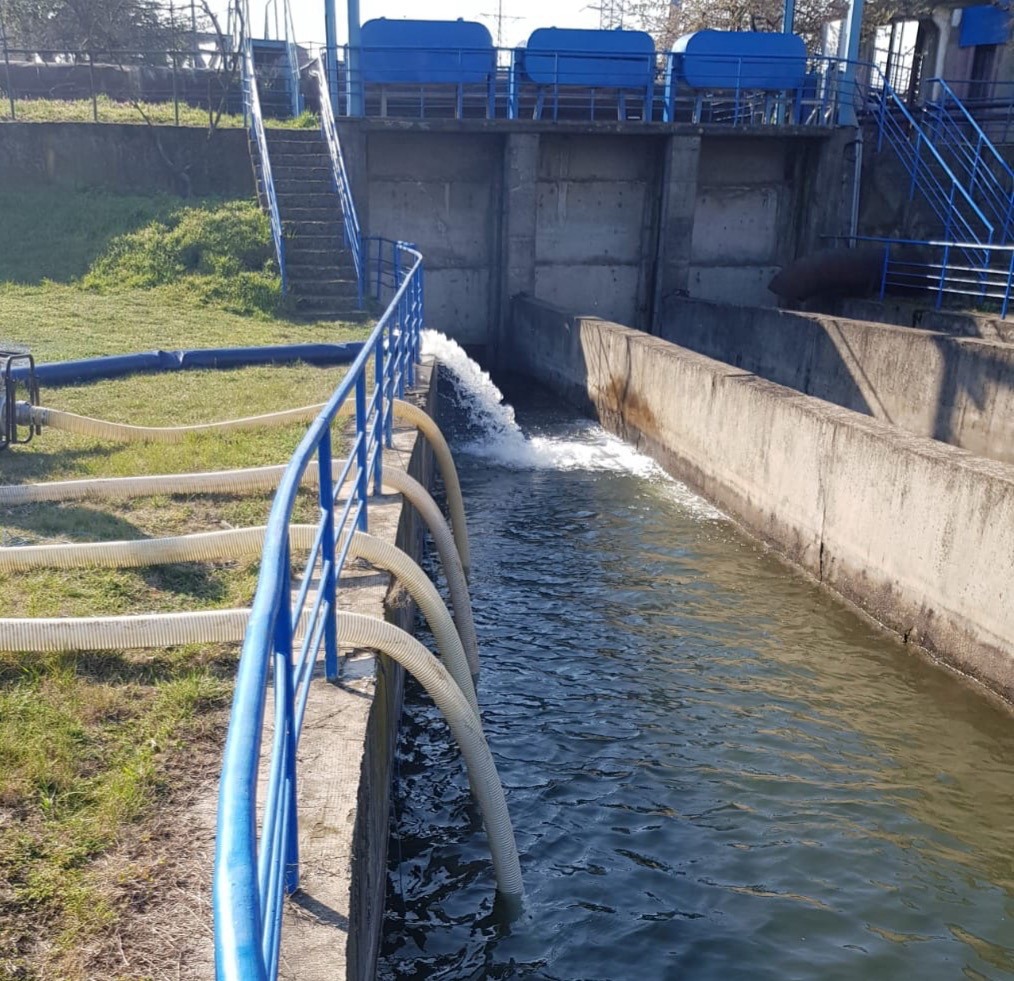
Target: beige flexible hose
[(218, 545), (127, 488), (364, 631), (356, 630), (126, 633), (389, 557), (415, 416), (266, 478), (39, 415), (454, 572)]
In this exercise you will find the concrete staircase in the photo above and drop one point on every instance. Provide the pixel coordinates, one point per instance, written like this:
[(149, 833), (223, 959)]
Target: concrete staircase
[(321, 276)]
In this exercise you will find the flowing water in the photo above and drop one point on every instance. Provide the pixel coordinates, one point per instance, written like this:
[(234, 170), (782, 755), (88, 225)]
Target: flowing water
[(714, 769)]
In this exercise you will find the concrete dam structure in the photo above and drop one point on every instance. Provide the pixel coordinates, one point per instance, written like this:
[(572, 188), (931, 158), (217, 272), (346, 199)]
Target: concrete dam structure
[(540, 243)]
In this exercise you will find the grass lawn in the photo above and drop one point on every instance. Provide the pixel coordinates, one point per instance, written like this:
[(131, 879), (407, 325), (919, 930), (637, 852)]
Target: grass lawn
[(105, 756), (109, 111)]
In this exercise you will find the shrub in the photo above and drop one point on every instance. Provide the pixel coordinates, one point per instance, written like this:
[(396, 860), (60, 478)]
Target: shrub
[(220, 253)]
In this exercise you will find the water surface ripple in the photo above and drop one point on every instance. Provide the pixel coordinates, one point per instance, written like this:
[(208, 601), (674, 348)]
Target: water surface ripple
[(714, 770)]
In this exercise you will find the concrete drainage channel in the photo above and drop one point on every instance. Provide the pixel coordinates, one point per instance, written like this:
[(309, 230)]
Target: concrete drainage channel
[(450, 681)]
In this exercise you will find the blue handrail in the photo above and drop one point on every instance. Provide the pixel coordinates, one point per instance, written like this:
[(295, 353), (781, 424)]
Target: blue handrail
[(989, 178), (255, 119), (947, 196), (907, 265), (254, 873), (295, 93), (350, 220)]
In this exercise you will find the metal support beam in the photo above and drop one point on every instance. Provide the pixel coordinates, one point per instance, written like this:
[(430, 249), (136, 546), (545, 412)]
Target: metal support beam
[(788, 16), (331, 50), (847, 101), (357, 106)]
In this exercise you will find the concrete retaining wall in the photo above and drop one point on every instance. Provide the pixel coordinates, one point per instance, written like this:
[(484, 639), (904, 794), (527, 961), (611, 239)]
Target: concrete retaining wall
[(608, 219), (957, 390), (126, 158), (919, 534)]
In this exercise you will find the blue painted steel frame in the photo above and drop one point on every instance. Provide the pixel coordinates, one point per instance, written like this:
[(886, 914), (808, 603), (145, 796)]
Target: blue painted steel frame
[(253, 875), (350, 219), (255, 120), (988, 176)]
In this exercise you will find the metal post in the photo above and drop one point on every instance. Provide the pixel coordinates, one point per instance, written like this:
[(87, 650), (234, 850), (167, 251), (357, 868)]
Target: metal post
[(847, 108), (91, 85), (172, 27), (943, 276), (357, 99), (7, 63), (1006, 294), (329, 580), (379, 425), (883, 271), (363, 476), (285, 692), (788, 16)]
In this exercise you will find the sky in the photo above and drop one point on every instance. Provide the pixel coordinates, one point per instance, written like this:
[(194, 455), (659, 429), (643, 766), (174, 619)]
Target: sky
[(520, 17)]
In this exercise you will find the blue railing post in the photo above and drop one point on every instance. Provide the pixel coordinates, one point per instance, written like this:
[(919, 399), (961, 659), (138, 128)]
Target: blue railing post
[(1007, 290), (329, 579), (380, 423), (363, 474), (257, 852), (943, 277), (285, 693), (883, 270)]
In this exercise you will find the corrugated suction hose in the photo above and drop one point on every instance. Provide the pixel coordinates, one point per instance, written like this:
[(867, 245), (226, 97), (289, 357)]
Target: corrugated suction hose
[(218, 545), (267, 478), (364, 631), (357, 630), (415, 416), (40, 415)]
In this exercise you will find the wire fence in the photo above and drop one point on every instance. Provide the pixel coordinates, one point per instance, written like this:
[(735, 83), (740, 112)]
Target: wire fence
[(178, 87)]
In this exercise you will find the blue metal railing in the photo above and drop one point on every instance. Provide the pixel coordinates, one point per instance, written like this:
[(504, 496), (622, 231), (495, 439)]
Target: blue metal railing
[(991, 104), (292, 52), (255, 121), (987, 176), (928, 172), (940, 269), (564, 90), (350, 220), (284, 638)]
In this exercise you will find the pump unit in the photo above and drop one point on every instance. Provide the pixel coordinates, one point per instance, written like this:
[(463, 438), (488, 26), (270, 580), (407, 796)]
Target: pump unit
[(17, 373)]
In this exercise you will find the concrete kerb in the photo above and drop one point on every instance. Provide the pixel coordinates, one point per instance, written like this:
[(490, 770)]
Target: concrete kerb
[(918, 534), (331, 926)]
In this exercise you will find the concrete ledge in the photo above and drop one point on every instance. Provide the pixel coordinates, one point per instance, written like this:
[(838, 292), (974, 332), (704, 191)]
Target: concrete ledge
[(956, 389), (917, 533), (332, 925)]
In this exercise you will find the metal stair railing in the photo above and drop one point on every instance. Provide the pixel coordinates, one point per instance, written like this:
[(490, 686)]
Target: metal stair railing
[(350, 220), (258, 137), (293, 54), (292, 624), (962, 219), (987, 176)]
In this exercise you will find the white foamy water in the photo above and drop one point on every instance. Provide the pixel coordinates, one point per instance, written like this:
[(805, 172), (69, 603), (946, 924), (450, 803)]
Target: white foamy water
[(583, 446)]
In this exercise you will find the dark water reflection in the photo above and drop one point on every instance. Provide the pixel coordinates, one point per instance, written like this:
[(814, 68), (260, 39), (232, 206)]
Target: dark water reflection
[(714, 770)]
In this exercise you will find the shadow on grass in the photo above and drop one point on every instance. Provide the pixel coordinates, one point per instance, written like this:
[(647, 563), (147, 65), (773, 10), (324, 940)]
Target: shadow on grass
[(114, 667), (56, 233), (187, 580), (20, 465), (76, 522)]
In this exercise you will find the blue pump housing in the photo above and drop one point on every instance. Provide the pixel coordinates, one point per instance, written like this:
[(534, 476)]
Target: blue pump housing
[(426, 52), (754, 60), (596, 59)]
